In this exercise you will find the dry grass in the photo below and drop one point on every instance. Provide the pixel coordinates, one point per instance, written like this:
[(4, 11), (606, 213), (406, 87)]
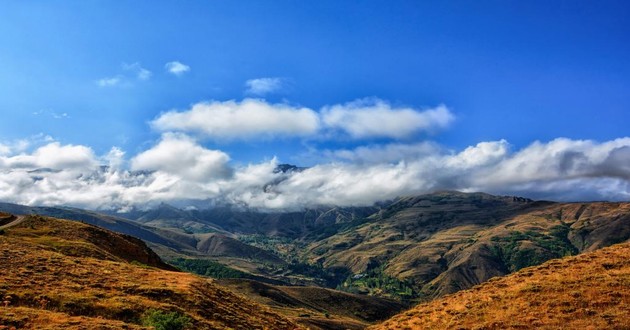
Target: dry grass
[(446, 242), (51, 280), (589, 291), (317, 308)]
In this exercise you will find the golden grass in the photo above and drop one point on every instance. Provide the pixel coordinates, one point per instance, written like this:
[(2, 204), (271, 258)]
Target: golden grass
[(51, 281), (589, 291), (314, 307)]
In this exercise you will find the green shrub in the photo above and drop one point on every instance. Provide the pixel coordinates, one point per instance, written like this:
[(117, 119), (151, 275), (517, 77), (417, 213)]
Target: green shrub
[(553, 245), (375, 280), (207, 268), (165, 321)]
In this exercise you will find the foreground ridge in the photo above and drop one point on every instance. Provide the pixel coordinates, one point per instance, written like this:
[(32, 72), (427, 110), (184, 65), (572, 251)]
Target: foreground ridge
[(55, 276), (589, 291)]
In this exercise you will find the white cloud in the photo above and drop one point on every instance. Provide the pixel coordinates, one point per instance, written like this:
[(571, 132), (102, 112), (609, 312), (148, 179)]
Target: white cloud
[(130, 73), (177, 68), (49, 112), (180, 155), (10, 148), (178, 169), (109, 82), (240, 120), (562, 159), (115, 158), (483, 153), (378, 153), (255, 118), (263, 86), (560, 170), (4, 149), (374, 118), (140, 72), (53, 156)]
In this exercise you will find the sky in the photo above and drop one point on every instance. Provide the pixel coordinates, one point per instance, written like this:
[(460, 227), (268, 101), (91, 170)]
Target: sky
[(115, 105)]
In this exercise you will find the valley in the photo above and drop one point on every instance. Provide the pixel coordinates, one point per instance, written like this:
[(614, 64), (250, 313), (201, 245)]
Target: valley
[(410, 249), (341, 268)]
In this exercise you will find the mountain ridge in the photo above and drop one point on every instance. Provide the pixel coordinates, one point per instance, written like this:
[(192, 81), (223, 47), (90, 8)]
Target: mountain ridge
[(588, 291), (414, 247), (55, 276)]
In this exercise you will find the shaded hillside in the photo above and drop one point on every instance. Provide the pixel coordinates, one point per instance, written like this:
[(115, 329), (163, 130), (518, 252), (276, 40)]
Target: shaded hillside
[(403, 247), (221, 245), (237, 220), (167, 216), (60, 274), (317, 308), (531, 239), (168, 243), (590, 291), (413, 248), (431, 245), (6, 218), (84, 240), (112, 223)]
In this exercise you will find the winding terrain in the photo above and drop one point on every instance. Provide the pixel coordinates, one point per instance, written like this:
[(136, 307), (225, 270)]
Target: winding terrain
[(394, 254)]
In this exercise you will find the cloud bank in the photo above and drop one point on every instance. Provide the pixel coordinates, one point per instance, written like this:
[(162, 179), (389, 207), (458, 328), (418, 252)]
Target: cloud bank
[(250, 118), (376, 118), (255, 118), (180, 156), (178, 169)]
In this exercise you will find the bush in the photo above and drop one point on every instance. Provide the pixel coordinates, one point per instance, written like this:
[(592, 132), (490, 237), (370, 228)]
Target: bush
[(165, 321), (207, 268)]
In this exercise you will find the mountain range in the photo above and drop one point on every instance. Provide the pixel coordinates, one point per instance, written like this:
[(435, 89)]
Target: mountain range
[(378, 259)]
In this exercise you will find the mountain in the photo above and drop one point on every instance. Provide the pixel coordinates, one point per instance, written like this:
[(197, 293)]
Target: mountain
[(431, 245), (112, 223), (59, 274), (243, 221), (589, 291), (413, 248), (82, 240)]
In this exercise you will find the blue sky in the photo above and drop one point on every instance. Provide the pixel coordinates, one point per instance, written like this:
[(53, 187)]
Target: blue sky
[(95, 74)]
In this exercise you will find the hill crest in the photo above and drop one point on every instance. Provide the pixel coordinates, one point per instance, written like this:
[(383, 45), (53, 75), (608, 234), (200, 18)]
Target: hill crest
[(588, 291), (55, 275)]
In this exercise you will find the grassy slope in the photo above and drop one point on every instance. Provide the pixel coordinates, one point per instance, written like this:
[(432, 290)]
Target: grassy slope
[(317, 308), (87, 286), (445, 242), (589, 291)]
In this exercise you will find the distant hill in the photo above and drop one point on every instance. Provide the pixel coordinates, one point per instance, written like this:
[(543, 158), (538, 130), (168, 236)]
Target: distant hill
[(589, 291), (430, 245), (112, 223), (83, 240), (166, 242), (238, 220), (412, 249), (59, 274)]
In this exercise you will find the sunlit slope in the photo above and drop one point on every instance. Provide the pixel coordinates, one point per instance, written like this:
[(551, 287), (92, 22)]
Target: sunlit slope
[(431, 245), (57, 274), (589, 291)]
